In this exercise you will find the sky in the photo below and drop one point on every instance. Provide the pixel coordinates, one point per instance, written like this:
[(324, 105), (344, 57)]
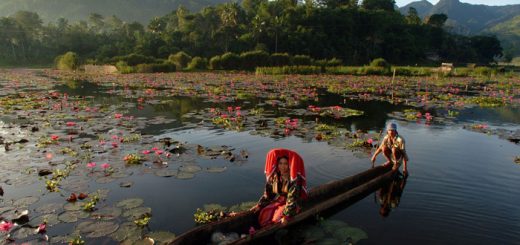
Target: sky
[(401, 3)]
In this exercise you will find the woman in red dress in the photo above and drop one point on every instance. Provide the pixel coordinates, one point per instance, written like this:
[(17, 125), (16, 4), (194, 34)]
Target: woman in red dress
[(285, 187)]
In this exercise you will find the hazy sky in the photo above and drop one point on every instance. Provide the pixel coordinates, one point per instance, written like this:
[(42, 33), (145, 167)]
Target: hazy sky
[(401, 3)]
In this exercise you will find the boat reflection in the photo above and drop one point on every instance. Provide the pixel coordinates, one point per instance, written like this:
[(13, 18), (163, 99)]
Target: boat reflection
[(389, 195)]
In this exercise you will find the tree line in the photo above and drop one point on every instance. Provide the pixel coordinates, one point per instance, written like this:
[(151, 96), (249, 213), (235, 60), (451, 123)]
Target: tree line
[(325, 29)]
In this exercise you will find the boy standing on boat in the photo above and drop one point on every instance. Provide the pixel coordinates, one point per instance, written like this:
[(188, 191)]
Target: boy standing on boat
[(393, 148)]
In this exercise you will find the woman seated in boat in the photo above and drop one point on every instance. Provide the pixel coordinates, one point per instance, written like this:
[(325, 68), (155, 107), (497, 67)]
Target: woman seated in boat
[(285, 187)]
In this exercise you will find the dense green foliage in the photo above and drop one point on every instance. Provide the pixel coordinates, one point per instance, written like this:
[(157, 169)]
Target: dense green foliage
[(68, 61), (308, 33)]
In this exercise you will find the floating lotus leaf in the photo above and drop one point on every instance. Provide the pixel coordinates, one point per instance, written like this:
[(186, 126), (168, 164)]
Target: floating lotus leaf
[(332, 225), (5, 209), (127, 231), (185, 175), (329, 241), (166, 172), (137, 212), (107, 213), (130, 203), (144, 241), (313, 233), (162, 237), (190, 168), (61, 239), (214, 207), (216, 169), (72, 216), (105, 180), (126, 184), (97, 229), (73, 206), (48, 208), (102, 193), (76, 187), (121, 174), (23, 232), (51, 219), (25, 201)]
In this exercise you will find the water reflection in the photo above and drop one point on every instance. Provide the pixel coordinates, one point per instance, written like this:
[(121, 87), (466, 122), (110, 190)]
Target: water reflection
[(389, 196)]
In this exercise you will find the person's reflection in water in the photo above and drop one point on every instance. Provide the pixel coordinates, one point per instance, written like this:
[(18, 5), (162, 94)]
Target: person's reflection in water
[(389, 195)]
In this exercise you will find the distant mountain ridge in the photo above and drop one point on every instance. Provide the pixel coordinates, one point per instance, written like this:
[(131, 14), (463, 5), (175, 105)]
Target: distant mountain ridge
[(471, 19), (129, 10)]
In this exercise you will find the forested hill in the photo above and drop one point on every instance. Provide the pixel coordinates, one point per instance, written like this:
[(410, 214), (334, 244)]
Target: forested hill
[(129, 10), (471, 19)]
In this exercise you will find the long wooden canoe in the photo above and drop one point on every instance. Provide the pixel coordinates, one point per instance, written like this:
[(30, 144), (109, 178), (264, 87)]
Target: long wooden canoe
[(320, 199)]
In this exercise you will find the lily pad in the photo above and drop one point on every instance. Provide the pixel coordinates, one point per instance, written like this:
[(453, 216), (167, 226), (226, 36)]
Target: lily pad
[(23, 232), (162, 237), (25, 201), (49, 208), (126, 184), (107, 213), (105, 180), (97, 229), (242, 207), (314, 233), (214, 207), (332, 225), (73, 206), (72, 216), (166, 172), (130, 203), (329, 241), (137, 212), (127, 231), (190, 168), (185, 175), (353, 233), (51, 219)]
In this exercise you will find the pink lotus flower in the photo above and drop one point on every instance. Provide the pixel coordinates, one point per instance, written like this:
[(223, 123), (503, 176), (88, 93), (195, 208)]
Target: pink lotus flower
[(104, 166), (54, 137), (230, 108), (6, 226), (419, 115), (102, 142), (370, 141), (146, 152), (71, 124), (237, 108), (168, 154), (159, 152), (91, 165), (155, 149), (118, 115), (42, 228), (115, 144)]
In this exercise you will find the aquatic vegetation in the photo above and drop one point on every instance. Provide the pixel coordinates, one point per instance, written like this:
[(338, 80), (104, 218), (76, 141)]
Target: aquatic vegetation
[(204, 217), (132, 159), (78, 240), (143, 220)]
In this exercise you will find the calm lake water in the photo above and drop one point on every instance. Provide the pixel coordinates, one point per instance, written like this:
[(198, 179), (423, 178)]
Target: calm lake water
[(462, 188)]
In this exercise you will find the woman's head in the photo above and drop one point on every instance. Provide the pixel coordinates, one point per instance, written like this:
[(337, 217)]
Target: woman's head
[(283, 165)]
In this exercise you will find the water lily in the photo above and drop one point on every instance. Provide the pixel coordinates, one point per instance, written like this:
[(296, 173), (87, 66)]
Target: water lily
[(91, 165), (104, 166), (118, 115), (42, 228), (146, 152), (159, 152), (71, 124), (54, 137), (6, 226), (370, 141)]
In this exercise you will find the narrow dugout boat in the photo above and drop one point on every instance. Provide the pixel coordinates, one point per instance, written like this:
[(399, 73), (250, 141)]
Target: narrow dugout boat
[(343, 192)]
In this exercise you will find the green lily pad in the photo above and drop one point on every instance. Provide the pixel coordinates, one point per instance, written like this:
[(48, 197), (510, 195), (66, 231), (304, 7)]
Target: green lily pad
[(51, 219), (130, 203), (127, 231), (23, 232), (332, 225), (166, 172), (354, 233), (105, 180), (102, 193), (107, 213), (329, 241), (314, 233), (162, 237), (25, 201), (49, 208), (185, 175), (5, 209), (72, 216), (190, 168), (73, 206), (137, 212), (97, 229), (144, 241)]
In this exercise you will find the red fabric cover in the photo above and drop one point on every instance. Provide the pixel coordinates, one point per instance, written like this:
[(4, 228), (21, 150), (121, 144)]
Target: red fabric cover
[(272, 213), (295, 164)]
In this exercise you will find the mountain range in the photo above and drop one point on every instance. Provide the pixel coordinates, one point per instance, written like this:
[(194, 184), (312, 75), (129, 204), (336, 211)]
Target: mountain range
[(472, 19), (129, 10)]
